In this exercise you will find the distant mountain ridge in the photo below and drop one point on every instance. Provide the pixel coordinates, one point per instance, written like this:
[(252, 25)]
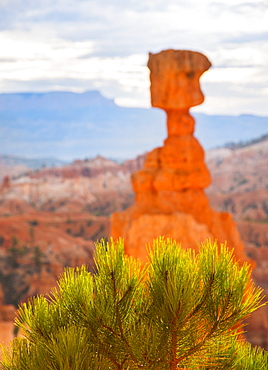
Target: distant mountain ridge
[(55, 100), (32, 163), (70, 125)]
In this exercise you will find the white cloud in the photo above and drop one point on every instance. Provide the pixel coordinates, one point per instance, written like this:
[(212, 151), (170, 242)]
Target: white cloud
[(77, 45)]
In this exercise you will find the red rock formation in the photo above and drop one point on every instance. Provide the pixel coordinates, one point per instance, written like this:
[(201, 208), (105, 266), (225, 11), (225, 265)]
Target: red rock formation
[(6, 182), (7, 314), (170, 198)]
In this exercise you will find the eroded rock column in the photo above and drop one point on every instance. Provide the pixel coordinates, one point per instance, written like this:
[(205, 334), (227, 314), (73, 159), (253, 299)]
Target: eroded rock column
[(170, 198)]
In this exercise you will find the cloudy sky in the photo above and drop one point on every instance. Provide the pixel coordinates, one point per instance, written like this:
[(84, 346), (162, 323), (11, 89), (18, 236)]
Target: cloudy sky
[(79, 45)]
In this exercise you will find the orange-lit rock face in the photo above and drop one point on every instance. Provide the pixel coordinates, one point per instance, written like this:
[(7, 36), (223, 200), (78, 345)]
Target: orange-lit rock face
[(175, 78), (170, 199), (179, 122), (177, 166)]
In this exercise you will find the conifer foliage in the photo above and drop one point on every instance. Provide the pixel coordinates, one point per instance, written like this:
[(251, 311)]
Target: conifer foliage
[(181, 311)]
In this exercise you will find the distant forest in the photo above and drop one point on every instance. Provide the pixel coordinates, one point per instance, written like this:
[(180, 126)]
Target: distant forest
[(243, 144)]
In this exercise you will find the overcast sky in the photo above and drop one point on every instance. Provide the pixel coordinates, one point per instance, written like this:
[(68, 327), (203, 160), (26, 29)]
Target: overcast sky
[(80, 45)]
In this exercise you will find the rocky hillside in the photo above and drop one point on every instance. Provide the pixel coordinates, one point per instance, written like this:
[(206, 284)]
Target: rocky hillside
[(240, 186), (98, 186), (50, 218), (102, 186)]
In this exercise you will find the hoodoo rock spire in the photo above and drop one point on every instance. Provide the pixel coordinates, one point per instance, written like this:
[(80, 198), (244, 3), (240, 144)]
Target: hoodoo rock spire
[(170, 198)]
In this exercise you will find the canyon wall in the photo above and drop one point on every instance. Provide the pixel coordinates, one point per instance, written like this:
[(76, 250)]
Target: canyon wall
[(42, 234)]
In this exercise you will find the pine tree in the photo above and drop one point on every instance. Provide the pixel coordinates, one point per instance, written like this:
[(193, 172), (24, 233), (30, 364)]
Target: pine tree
[(181, 311)]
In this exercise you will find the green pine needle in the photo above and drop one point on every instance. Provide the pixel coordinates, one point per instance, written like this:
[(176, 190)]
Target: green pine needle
[(182, 310)]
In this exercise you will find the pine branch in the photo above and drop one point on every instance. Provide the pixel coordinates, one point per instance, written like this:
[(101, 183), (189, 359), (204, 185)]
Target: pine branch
[(180, 314), (204, 297), (110, 330), (198, 346), (174, 340), (119, 320)]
